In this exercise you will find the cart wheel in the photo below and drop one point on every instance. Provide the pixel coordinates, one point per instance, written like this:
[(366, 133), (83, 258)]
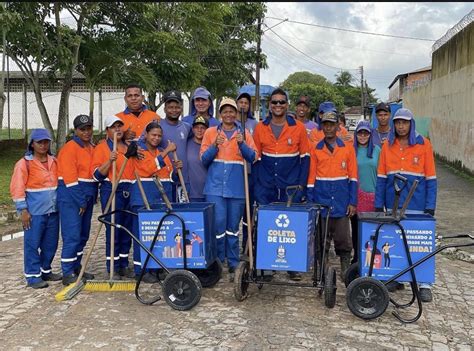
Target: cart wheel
[(351, 273), (210, 276), (182, 290), (330, 288), (367, 298), (240, 281)]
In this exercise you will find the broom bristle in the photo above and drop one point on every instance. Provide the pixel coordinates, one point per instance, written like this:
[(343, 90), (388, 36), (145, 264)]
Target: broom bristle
[(70, 291), (106, 286)]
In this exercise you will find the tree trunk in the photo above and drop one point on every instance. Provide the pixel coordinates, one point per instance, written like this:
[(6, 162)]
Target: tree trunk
[(3, 99), (91, 103), (62, 113), (42, 109), (152, 101)]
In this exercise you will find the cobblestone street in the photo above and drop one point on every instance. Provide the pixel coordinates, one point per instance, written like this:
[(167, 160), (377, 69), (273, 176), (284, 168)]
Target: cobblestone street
[(271, 318)]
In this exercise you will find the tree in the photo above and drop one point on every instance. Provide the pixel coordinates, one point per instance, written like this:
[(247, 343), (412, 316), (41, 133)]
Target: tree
[(344, 79), (318, 94), (303, 77), (39, 46)]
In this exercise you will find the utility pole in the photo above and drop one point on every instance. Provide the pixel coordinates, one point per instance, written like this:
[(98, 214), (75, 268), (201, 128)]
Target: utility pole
[(366, 99), (257, 71), (362, 90)]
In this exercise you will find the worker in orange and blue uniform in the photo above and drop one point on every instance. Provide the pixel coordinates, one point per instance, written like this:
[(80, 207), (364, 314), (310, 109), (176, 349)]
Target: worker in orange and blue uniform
[(136, 115), (154, 162), (33, 189), (283, 147), (332, 182), (223, 152), (410, 155), (77, 194), (102, 171)]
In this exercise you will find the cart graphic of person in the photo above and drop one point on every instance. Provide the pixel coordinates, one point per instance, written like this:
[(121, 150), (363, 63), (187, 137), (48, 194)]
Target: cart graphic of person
[(386, 254), (179, 249), (368, 254), (198, 239)]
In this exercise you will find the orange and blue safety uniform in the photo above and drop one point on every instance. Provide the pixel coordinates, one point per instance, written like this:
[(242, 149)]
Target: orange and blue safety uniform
[(282, 162), (332, 179), (415, 161), (34, 187), (77, 189), (153, 164), (137, 124), (123, 241), (225, 185)]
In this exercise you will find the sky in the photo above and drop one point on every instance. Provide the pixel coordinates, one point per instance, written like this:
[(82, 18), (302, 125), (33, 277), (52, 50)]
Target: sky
[(383, 58)]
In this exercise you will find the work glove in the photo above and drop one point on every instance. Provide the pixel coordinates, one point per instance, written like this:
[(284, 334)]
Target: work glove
[(132, 150), (378, 209), (429, 211)]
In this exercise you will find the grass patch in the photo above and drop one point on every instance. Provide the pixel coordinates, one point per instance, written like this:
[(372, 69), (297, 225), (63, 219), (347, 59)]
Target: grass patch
[(9, 155)]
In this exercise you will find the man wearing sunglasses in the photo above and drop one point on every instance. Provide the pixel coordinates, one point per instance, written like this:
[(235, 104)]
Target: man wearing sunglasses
[(283, 148)]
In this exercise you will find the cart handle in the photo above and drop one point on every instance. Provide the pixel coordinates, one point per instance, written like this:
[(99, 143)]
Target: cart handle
[(291, 194)]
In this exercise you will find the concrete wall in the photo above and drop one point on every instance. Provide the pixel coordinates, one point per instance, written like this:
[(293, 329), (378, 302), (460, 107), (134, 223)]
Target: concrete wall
[(448, 100)]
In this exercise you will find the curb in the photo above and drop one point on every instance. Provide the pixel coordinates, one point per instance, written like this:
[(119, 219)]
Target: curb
[(11, 236)]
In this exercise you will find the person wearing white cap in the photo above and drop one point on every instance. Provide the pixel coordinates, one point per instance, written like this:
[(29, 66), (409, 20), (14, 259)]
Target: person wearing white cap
[(102, 161), (411, 155), (223, 152)]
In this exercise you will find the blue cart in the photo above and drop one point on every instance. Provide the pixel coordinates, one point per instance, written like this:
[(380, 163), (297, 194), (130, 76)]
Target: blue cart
[(287, 237), (388, 246)]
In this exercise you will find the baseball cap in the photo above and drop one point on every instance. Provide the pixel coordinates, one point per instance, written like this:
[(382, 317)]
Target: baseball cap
[(327, 106), (329, 117), (244, 95), (363, 125), (110, 120), (403, 113), (201, 120), (202, 93), (227, 101), (39, 134), (382, 107), (304, 100), (82, 121), (172, 95)]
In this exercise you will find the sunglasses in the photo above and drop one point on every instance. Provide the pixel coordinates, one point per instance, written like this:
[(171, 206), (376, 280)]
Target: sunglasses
[(276, 102)]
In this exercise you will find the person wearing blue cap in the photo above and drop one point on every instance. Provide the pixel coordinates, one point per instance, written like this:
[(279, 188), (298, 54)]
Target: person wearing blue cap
[(33, 189), (367, 160), (411, 155), (201, 105)]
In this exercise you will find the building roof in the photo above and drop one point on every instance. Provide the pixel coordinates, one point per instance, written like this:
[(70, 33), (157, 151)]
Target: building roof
[(19, 75), (353, 110), (404, 75)]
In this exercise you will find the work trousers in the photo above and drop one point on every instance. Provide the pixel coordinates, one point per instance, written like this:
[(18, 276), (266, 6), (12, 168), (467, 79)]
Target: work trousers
[(39, 246)]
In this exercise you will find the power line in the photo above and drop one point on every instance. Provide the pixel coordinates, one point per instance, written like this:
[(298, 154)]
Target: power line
[(305, 54), (351, 30)]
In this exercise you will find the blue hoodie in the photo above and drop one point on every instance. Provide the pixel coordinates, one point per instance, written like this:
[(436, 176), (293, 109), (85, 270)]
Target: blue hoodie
[(202, 93)]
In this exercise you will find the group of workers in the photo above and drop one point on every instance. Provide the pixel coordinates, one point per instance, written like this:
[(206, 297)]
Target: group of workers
[(328, 166)]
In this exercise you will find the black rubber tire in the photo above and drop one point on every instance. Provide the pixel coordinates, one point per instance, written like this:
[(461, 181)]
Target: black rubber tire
[(182, 290), (351, 273), (367, 297), (240, 281), (330, 288), (210, 276)]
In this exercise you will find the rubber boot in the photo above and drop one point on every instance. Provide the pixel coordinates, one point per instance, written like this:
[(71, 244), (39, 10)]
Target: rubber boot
[(345, 263)]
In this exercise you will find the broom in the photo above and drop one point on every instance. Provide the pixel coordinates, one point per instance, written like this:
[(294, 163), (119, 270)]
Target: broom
[(111, 285), (72, 290)]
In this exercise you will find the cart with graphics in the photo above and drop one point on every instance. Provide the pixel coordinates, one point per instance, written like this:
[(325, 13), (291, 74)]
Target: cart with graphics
[(177, 239), (287, 237), (395, 247)]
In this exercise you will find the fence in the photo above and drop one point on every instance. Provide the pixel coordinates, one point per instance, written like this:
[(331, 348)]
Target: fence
[(21, 113)]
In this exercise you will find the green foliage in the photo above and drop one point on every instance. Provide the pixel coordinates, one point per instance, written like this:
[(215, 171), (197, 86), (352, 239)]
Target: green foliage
[(303, 77), (318, 94)]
